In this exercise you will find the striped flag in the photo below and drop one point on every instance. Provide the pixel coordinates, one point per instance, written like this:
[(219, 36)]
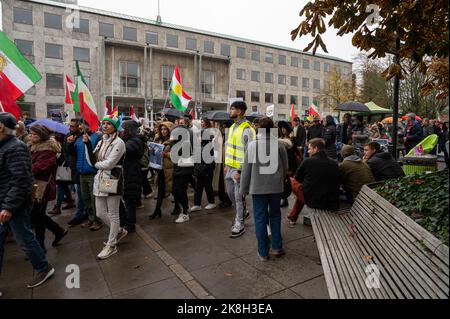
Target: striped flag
[(108, 109), (133, 114), (292, 115), (7, 104), (180, 100), (84, 102), (17, 73), (70, 90)]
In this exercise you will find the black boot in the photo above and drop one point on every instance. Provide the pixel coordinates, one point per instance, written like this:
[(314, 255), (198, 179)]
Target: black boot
[(284, 203), (156, 214)]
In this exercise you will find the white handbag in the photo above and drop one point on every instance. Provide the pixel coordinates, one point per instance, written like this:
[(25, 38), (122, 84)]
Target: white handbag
[(108, 184), (186, 162), (63, 173)]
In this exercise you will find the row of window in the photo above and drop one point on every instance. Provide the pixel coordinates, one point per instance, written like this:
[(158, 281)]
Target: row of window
[(268, 78), (51, 20), (53, 51), (268, 98)]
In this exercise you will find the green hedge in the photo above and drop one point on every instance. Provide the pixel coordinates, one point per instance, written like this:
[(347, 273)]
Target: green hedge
[(422, 197)]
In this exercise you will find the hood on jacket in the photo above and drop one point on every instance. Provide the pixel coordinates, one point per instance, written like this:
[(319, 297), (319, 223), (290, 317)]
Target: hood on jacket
[(383, 155), (49, 145), (353, 158), (167, 124)]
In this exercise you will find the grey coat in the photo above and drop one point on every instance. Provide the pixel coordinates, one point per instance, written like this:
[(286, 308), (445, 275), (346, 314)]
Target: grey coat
[(258, 178)]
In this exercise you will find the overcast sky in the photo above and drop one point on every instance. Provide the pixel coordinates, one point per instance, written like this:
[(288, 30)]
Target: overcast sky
[(262, 20)]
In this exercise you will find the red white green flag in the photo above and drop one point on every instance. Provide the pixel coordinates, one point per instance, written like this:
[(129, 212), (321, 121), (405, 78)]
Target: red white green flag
[(17, 73), (70, 90), (313, 110), (180, 100), (84, 102), (292, 115)]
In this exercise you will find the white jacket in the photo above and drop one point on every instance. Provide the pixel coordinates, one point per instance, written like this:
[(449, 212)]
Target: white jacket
[(113, 154)]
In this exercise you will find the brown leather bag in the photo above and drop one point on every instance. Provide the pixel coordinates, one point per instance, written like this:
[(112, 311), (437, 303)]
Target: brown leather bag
[(38, 190)]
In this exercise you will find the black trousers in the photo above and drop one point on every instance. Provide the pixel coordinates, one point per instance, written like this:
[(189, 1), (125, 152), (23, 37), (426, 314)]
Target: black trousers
[(180, 186), (204, 182), (146, 187), (127, 213), (161, 190), (223, 196), (41, 221)]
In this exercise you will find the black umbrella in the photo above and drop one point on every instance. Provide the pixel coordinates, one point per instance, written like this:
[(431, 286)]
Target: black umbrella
[(254, 116), (353, 106), (174, 113), (217, 116)]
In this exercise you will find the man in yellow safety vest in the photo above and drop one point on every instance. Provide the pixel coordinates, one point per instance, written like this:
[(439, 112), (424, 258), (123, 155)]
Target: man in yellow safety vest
[(239, 135)]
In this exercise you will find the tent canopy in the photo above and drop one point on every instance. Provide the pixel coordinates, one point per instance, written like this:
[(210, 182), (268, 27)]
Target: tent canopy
[(376, 109)]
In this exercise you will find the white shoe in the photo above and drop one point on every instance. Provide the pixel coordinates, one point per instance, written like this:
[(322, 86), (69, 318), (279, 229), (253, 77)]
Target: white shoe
[(182, 218), (210, 206), (122, 233), (107, 252), (195, 208)]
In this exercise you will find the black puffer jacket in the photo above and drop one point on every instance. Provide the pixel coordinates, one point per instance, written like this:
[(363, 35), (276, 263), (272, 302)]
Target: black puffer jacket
[(315, 131), (329, 136), (384, 166), (178, 132), (16, 176), (132, 169)]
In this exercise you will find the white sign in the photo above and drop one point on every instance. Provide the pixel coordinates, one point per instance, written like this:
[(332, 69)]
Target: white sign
[(270, 110)]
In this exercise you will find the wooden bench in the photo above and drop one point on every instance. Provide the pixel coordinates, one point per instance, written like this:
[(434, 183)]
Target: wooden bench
[(373, 235)]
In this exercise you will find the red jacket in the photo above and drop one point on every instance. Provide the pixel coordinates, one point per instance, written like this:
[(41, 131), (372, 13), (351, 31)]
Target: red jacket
[(43, 160)]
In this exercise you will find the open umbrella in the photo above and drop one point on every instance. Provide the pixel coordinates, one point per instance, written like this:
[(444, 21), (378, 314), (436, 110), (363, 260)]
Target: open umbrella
[(174, 113), (52, 126), (253, 116), (219, 116), (389, 120), (353, 106)]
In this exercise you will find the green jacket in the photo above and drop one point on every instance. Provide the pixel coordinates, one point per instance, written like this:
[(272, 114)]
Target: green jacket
[(353, 174)]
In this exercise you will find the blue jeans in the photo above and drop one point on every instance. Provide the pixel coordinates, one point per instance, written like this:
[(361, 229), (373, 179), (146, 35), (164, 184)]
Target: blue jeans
[(20, 225), (63, 190), (266, 210)]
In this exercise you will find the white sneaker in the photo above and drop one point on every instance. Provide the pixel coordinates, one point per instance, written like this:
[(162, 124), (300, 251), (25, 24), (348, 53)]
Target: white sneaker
[(122, 233), (107, 252), (210, 206), (195, 208), (182, 218)]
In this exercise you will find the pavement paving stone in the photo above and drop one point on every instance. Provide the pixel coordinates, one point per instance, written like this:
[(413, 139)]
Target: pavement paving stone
[(285, 294), (313, 289), (306, 247), (171, 288)]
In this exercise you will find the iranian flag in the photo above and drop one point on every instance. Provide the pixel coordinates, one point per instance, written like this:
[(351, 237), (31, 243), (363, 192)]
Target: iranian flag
[(17, 73), (313, 110), (133, 114), (7, 104), (292, 115), (84, 102), (70, 90), (180, 100)]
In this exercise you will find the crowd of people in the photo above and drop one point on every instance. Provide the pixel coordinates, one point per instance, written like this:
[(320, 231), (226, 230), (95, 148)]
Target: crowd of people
[(105, 174)]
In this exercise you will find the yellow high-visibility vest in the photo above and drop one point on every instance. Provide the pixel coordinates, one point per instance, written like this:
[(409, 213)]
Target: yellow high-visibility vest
[(235, 151)]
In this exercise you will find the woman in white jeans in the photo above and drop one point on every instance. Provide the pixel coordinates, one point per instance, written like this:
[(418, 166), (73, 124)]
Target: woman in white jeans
[(108, 156)]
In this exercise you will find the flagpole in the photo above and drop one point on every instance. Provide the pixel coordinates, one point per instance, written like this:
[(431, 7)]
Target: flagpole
[(112, 78)]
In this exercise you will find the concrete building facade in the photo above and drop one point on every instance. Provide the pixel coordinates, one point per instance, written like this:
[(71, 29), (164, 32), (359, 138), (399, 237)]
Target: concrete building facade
[(130, 61)]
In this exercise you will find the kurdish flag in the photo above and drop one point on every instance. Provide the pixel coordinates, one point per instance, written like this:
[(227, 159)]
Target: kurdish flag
[(179, 98), (17, 73), (84, 102)]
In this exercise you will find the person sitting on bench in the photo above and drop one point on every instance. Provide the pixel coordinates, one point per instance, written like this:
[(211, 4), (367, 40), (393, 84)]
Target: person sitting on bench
[(382, 164)]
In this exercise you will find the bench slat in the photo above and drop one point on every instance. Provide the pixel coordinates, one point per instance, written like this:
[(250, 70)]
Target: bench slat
[(386, 245), (417, 277)]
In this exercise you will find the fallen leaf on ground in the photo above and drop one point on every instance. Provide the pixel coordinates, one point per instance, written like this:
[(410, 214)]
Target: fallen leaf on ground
[(367, 258), (228, 274)]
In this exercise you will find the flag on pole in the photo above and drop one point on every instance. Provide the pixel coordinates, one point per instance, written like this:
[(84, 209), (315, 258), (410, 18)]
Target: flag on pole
[(70, 90), (17, 73), (84, 103), (292, 115), (7, 104), (107, 108), (313, 112), (192, 114), (115, 112), (180, 100), (133, 114)]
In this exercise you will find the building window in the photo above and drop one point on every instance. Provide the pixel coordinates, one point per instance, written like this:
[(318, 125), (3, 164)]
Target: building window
[(191, 44), (305, 83), (255, 55), (172, 40), (281, 116), (294, 99), (225, 49), (22, 15), (305, 63), (25, 46), (282, 79), (166, 76), (240, 74), (316, 66), (338, 69), (53, 51), (151, 37), (346, 71), (81, 54), (268, 57), (54, 108), (255, 96), (315, 101), (106, 29), (316, 84), (129, 34), (52, 20), (326, 67), (208, 84), (129, 77), (294, 81), (281, 99), (54, 81), (208, 47), (269, 77), (255, 76), (305, 100), (294, 61), (240, 94), (268, 98), (83, 27), (282, 59), (240, 52)]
